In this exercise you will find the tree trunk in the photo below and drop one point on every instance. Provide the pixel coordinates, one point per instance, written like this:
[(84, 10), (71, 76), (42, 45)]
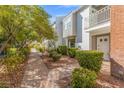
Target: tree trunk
[(4, 45)]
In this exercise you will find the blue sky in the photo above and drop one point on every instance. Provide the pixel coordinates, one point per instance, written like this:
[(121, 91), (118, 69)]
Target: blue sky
[(58, 10)]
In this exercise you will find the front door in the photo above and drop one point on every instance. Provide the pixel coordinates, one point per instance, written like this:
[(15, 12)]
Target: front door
[(103, 45)]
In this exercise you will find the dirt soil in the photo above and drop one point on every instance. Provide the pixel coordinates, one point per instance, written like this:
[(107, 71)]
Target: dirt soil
[(105, 80), (13, 79)]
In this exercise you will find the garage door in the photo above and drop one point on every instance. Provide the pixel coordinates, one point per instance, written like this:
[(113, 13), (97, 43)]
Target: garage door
[(103, 45)]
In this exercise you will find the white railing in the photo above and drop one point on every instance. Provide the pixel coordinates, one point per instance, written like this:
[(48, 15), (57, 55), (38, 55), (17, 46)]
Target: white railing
[(99, 16)]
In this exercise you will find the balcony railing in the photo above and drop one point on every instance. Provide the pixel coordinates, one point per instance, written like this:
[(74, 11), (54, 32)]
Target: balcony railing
[(99, 17)]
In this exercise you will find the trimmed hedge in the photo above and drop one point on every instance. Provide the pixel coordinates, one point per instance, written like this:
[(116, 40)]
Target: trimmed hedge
[(72, 52), (83, 78), (91, 60), (62, 50)]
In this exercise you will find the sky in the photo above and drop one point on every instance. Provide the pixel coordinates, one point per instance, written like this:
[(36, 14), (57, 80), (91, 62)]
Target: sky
[(58, 10)]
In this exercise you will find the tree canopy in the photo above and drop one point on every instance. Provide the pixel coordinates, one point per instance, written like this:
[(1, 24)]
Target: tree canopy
[(20, 25)]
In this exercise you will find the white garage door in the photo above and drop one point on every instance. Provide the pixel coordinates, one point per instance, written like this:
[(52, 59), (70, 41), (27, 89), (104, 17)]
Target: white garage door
[(103, 45)]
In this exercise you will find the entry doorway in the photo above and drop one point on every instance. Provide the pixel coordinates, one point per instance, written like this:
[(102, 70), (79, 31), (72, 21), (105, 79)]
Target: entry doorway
[(103, 45)]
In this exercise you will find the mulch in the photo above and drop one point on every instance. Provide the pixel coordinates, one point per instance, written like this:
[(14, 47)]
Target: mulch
[(13, 79), (64, 60)]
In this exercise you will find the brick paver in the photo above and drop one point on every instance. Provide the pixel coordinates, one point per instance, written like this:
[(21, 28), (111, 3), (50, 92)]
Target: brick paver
[(38, 75), (35, 71)]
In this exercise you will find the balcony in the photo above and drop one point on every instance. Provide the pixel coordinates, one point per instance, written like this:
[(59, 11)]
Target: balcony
[(99, 17)]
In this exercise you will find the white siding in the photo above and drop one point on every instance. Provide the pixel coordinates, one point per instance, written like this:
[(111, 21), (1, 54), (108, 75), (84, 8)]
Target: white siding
[(67, 26), (85, 36), (59, 30)]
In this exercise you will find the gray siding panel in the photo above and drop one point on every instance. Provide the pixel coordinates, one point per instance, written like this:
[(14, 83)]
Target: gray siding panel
[(79, 29)]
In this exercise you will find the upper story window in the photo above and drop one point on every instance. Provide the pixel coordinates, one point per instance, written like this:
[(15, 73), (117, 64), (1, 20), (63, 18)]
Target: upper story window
[(68, 26)]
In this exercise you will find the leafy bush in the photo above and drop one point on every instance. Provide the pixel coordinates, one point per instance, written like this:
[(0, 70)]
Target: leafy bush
[(24, 51), (62, 50), (41, 49), (83, 78), (56, 56), (11, 51), (72, 52), (3, 85), (12, 62), (90, 59), (50, 51)]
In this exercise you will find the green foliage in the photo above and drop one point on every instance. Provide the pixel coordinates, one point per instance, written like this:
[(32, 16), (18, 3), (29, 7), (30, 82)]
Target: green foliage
[(62, 50), (11, 51), (50, 51), (3, 85), (72, 52), (56, 56), (21, 25), (83, 78), (90, 59), (12, 60), (24, 51), (41, 49)]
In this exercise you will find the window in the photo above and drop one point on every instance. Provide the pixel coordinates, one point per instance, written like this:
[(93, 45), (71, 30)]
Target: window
[(105, 39), (68, 26)]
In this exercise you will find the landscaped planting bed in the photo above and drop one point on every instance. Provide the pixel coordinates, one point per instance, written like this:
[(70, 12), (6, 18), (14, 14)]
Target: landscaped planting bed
[(13, 68), (61, 70)]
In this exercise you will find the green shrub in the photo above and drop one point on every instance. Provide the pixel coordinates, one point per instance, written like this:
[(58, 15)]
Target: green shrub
[(56, 56), (62, 50), (12, 62), (83, 78), (24, 51), (11, 51), (41, 49), (90, 59), (3, 85), (50, 51), (72, 52)]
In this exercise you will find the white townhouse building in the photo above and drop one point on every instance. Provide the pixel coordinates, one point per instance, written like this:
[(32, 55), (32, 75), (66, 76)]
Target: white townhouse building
[(74, 26), (96, 27), (99, 29), (58, 26), (69, 29), (87, 28)]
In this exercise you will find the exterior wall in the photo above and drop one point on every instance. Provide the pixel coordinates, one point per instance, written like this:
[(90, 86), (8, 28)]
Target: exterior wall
[(79, 31), (117, 41), (101, 31), (59, 30), (67, 26), (82, 37)]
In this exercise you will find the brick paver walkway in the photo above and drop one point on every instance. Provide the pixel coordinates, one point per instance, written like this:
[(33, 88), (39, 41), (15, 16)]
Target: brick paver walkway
[(35, 71), (39, 76)]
